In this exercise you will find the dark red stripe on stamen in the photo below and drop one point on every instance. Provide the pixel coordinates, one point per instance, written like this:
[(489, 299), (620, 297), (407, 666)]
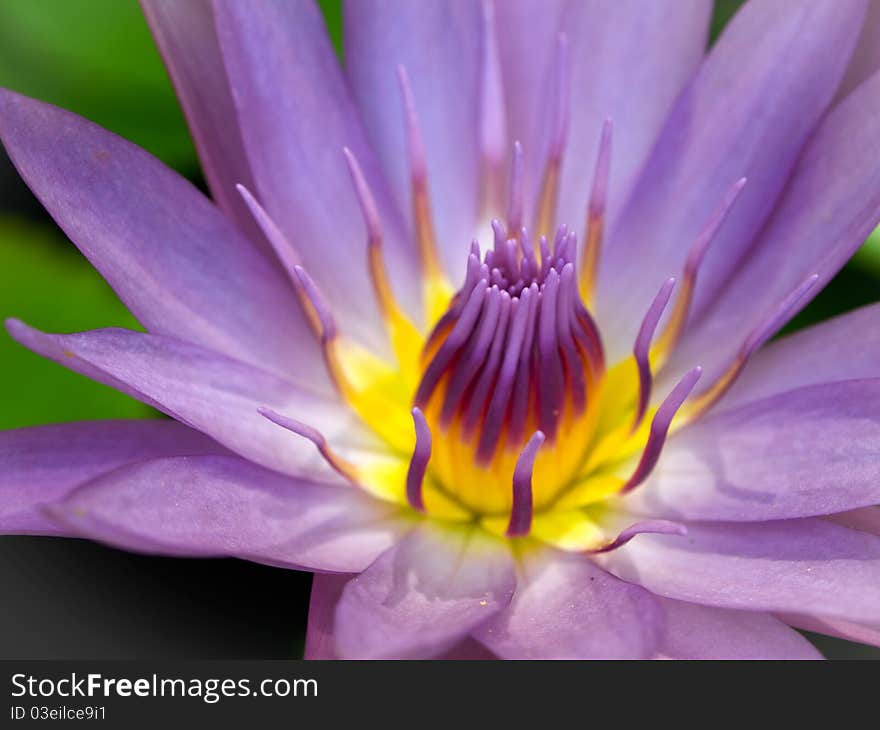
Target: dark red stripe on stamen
[(517, 349)]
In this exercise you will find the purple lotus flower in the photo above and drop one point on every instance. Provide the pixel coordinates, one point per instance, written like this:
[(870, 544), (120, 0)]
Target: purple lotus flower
[(486, 361)]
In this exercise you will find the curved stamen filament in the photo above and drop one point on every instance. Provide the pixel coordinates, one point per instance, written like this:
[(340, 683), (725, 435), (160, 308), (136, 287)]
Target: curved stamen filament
[(660, 428), (401, 331), (418, 465), (681, 309), (546, 210), (654, 527), (642, 348), (763, 332), (286, 253), (523, 501), (596, 215), (437, 289), (340, 465)]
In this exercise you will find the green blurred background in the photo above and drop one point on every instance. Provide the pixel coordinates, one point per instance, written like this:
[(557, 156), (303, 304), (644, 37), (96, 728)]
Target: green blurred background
[(96, 57)]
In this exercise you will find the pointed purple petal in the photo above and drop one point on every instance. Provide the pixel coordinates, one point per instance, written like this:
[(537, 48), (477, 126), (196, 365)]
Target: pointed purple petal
[(805, 452), (807, 565), (185, 34), (210, 392), (43, 464), (175, 261), (226, 506)]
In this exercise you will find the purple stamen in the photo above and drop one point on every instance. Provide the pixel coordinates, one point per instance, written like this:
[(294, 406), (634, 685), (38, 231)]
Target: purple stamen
[(474, 355), (367, 202), (319, 305), (551, 390), (642, 347), (415, 475), (283, 248), (523, 504), (655, 527), (596, 209), (521, 324), (459, 335), (414, 143), (660, 428), (336, 462), (708, 234), (601, 173), (766, 328)]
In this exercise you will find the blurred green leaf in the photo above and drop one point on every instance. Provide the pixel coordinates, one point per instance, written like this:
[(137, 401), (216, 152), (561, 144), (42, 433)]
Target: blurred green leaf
[(97, 58), (868, 256), (332, 10), (53, 287), (723, 11)]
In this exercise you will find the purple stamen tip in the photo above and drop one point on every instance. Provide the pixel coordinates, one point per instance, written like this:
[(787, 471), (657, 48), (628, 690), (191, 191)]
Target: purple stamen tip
[(660, 428), (367, 202), (523, 505), (650, 527), (642, 347), (311, 434), (319, 304), (418, 465)]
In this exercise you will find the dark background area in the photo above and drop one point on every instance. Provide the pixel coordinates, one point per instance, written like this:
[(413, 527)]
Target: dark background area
[(74, 599)]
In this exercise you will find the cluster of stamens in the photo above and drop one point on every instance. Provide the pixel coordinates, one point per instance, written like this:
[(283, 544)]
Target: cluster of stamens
[(511, 378)]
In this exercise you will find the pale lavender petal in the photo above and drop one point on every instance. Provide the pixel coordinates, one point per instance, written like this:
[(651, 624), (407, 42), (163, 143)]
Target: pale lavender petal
[(439, 43), (207, 391), (629, 60), (424, 595), (829, 208), (226, 506), (806, 452), (326, 592), (566, 607), (44, 463), (808, 565), (866, 519), (699, 632), (866, 58), (178, 264), (296, 115), (846, 347), (184, 32), (747, 113)]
